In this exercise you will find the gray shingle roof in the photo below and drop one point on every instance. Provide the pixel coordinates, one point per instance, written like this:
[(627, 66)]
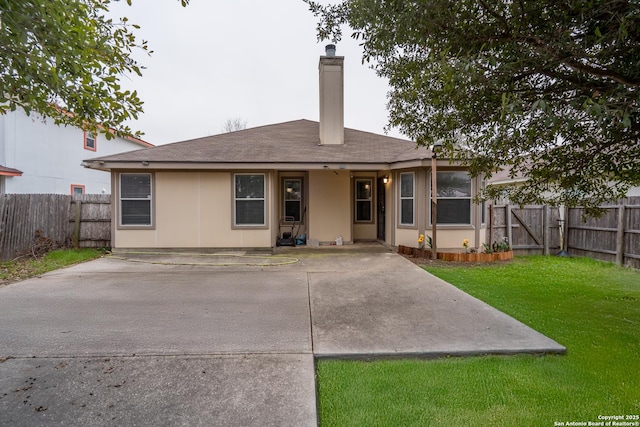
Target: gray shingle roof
[(289, 142)]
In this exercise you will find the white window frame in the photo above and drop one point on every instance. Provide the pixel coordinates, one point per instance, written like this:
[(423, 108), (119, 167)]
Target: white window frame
[(412, 198), (263, 199), (150, 198)]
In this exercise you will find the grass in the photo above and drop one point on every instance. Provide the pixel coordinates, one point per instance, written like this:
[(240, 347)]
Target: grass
[(592, 308), (24, 268)]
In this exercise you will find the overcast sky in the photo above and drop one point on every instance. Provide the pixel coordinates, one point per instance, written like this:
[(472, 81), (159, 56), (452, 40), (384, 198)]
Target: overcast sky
[(254, 59)]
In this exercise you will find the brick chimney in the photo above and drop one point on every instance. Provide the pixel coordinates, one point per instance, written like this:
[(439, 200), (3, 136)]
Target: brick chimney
[(331, 97)]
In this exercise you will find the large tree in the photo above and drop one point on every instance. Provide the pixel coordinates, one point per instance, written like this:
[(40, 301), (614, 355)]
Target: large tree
[(64, 59), (547, 88)]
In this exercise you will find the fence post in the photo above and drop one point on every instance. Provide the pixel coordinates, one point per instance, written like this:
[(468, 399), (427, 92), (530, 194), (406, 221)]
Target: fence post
[(545, 229), (620, 235), (508, 221), (76, 225)]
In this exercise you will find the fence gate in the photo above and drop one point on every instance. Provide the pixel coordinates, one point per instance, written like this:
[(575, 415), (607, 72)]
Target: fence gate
[(529, 230)]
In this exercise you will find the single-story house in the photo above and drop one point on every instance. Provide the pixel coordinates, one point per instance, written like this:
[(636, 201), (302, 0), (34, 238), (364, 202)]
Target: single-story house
[(231, 190)]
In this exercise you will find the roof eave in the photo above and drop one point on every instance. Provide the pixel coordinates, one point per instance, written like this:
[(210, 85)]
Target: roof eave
[(418, 163), (154, 165), (5, 171), (504, 182)]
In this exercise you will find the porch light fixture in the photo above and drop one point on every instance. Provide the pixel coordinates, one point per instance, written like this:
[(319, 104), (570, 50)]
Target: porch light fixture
[(385, 179), (434, 199)]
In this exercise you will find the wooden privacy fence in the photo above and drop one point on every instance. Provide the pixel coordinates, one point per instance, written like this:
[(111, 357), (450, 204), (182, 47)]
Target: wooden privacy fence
[(81, 221), (614, 237), (529, 230)]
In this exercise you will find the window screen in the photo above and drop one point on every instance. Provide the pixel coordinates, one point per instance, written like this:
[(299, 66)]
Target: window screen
[(454, 198), (249, 199), (407, 203), (135, 199)]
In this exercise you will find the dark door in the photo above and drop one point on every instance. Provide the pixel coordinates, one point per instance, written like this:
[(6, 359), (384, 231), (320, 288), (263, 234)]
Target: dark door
[(381, 202)]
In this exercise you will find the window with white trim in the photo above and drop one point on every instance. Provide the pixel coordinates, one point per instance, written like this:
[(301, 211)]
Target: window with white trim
[(135, 199), (407, 198), (249, 200), (292, 189), (454, 197), (364, 200)]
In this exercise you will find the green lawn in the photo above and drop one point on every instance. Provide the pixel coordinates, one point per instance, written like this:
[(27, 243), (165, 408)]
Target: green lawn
[(24, 268), (592, 308)]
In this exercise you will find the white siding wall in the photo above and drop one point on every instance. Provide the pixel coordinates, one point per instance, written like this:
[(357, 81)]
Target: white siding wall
[(50, 156)]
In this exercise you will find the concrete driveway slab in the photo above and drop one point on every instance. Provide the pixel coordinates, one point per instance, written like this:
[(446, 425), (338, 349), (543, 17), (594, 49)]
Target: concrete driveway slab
[(212, 346), (239, 390), (80, 312)]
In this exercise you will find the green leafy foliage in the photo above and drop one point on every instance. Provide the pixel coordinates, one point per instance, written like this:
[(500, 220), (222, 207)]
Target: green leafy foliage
[(64, 59), (550, 90)]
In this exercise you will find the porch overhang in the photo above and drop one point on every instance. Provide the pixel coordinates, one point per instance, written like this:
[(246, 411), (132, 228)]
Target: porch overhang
[(5, 171)]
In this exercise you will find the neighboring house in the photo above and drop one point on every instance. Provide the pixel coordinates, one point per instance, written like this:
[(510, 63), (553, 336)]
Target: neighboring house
[(503, 178), (38, 156), (231, 190)]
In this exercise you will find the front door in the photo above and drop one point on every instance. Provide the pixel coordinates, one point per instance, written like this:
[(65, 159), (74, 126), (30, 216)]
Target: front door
[(380, 211)]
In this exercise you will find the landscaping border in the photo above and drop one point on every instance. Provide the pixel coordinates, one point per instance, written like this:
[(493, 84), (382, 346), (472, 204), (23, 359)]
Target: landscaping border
[(456, 256)]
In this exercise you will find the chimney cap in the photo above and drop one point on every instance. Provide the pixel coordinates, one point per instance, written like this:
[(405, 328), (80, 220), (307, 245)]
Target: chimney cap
[(330, 49)]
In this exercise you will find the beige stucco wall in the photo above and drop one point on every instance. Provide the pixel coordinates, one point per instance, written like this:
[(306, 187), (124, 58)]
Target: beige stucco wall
[(194, 209), (365, 231), (406, 237), (133, 239), (449, 240), (329, 205)]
